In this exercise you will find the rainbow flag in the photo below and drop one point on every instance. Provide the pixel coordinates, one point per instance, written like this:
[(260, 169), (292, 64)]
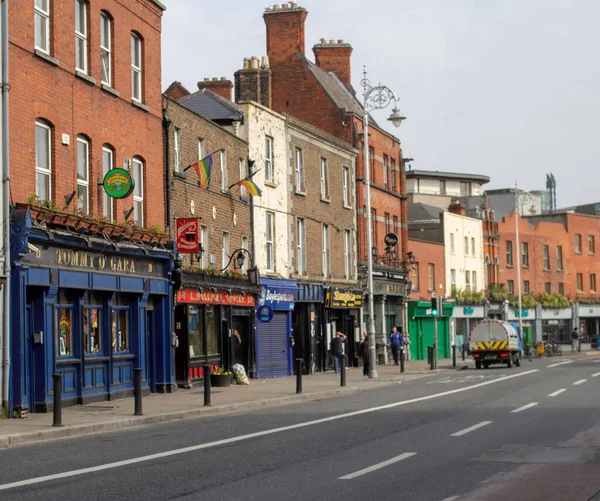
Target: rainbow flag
[(203, 168), (250, 185)]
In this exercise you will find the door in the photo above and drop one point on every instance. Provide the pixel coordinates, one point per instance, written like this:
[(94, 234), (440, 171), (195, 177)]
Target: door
[(272, 349), (185, 348), (240, 339), (28, 372), (150, 375)]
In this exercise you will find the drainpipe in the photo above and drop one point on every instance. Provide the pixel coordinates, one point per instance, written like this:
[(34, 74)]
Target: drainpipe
[(5, 204), (166, 124)]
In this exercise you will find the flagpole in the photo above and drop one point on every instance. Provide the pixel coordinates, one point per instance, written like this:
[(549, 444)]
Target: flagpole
[(207, 156)]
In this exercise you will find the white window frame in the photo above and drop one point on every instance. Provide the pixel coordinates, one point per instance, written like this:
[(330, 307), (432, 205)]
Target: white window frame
[(300, 180), (431, 276), (81, 37), (41, 170), (559, 258), (415, 277), (200, 148), (386, 161), (347, 254), (243, 174), (466, 246), (83, 183), (270, 240), (468, 281), (346, 185), (136, 67), (324, 178), (326, 252), (107, 205), (453, 278), (301, 245), (269, 172), (225, 249), (474, 280), (177, 148), (44, 16), (204, 244), (452, 243), (223, 162), (138, 192), (473, 248), (106, 49), (245, 245)]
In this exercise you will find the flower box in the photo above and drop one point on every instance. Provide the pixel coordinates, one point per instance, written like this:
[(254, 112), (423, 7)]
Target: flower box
[(221, 380)]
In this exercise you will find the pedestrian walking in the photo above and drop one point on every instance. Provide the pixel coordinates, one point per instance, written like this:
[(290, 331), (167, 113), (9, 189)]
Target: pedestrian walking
[(575, 336), (363, 353), (337, 349), (396, 341)]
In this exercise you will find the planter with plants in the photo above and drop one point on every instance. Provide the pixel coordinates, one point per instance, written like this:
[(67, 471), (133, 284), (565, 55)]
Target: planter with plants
[(221, 378)]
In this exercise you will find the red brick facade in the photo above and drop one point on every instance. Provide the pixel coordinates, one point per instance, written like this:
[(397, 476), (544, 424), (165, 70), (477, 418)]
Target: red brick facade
[(48, 88), (218, 211), (552, 231), (307, 100), (427, 253)]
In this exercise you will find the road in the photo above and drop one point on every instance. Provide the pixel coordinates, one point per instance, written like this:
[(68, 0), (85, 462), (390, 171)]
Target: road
[(491, 434)]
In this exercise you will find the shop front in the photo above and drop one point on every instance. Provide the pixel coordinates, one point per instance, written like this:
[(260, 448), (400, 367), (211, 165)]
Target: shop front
[(463, 320), (214, 325), (421, 329), (589, 322), (557, 325), (90, 310), (528, 320), (307, 324), (274, 335), (342, 313)]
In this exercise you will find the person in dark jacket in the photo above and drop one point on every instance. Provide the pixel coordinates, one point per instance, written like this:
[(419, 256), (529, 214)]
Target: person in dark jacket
[(337, 349), (363, 352), (396, 341)]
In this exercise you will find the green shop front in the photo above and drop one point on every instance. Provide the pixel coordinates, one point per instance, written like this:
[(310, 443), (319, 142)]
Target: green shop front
[(421, 329)]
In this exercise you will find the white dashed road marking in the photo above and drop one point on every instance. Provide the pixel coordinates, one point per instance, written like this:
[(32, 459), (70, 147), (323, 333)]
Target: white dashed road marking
[(558, 392), (525, 407), (378, 466), (470, 429), (581, 381)]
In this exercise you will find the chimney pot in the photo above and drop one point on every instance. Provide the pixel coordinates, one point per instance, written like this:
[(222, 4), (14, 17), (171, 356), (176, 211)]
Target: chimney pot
[(254, 63), (293, 5), (276, 6), (207, 79), (223, 78), (323, 41), (284, 6), (340, 42), (332, 42), (264, 64), (215, 79), (246, 63)]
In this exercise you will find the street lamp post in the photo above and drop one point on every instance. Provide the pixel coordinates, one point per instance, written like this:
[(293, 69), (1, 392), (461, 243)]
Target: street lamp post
[(375, 98), (518, 197)]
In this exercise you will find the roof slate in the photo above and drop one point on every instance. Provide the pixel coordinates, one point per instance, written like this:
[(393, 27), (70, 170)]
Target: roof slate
[(212, 106)]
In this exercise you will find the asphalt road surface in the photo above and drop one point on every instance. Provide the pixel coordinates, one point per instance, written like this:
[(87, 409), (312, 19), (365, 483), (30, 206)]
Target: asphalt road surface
[(436, 438)]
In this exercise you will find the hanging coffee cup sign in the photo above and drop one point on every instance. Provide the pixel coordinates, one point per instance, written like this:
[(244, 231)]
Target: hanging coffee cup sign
[(391, 240)]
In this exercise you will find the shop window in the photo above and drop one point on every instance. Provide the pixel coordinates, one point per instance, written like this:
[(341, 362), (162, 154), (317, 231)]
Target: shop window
[(119, 319), (64, 325), (92, 325), (194, 332), (511, 287), (212, 331)]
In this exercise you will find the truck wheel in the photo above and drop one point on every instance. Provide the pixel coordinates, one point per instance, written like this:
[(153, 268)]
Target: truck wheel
[(509, 361), (478, 364), (518, 361)]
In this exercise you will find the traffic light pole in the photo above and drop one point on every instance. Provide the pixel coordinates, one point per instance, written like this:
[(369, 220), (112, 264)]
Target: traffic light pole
[(435, 334)]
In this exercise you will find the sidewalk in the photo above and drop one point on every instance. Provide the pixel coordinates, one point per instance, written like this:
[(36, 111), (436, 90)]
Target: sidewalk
[(184, 404)]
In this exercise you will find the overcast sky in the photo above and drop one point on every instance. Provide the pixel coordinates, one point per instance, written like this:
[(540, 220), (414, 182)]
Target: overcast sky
[(505, 88)]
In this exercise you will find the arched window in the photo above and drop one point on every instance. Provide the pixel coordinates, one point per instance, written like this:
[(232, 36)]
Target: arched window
[(43, 160), (136, 67), (83, 174), (138, 191), (106, 48), (81, 36), (108, 163)]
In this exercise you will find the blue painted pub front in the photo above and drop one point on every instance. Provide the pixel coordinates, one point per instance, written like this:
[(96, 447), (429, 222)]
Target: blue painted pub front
[(90, 309)]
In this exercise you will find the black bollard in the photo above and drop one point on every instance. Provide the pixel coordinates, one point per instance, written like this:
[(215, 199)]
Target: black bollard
[(137, 392), (343, 370), (206, 372), (402, 360), (57, 407), (453, 355), (299, 364), (464, 350), (431, 358)]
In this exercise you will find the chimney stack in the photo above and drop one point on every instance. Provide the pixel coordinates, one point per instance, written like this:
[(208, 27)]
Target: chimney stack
[(457, 208), (176, 91), (254, 81), (285, 31), (335, 56), (221, 87)]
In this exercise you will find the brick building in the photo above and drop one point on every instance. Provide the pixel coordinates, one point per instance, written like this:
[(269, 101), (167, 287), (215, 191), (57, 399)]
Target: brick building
[(321, 94), (215, 296), (322, 200), (428, 272), (86, 100), (558, 256)]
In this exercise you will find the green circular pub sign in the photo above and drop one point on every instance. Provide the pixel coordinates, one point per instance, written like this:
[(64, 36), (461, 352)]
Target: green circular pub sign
[(118, 183)]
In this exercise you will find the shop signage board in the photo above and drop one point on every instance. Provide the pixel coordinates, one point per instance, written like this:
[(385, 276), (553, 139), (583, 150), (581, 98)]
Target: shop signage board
[(277, 298), (187, 235), (336, 298), (208, 297), (468, 310), (80, 260), (391, 240), (118, 183)]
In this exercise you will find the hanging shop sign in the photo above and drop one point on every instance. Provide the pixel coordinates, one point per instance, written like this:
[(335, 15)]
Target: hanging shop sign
[(89, 261), (264, 314), (187, 235), (206, 297), (118, 183), (336, 298), (391, 240)]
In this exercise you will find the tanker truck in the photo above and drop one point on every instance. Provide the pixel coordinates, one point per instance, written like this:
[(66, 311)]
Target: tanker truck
[(495, 342)]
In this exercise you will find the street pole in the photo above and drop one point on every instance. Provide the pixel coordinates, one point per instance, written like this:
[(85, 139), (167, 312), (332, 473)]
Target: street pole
[(518, 260), (377, 97), (371, 322), (434, 355)]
